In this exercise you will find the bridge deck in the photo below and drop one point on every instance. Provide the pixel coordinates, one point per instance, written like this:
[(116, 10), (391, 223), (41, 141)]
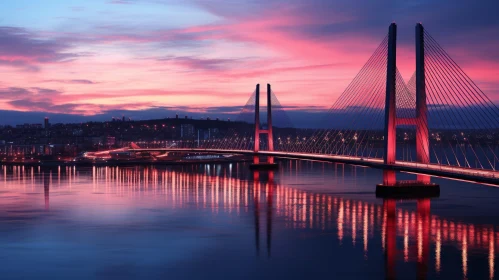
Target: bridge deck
[(471, 174)]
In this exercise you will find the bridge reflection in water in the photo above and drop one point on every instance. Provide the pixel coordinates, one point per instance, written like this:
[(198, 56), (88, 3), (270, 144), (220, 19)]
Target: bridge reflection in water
[(357, 220), (406, 235)]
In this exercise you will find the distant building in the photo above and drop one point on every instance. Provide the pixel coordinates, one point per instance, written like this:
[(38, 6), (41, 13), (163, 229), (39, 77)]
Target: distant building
[(77, 132), (27, 125), (47, 124), (209, 133), (110, 141), (186, 130), (95, 140), (47, 150), (206, 134)]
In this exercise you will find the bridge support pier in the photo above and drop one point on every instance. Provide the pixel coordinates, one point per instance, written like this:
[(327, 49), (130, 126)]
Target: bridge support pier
[(391, 188), (270, 164)]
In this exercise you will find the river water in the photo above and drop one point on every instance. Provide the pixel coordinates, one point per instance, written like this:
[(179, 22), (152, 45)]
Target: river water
[(308, 220)]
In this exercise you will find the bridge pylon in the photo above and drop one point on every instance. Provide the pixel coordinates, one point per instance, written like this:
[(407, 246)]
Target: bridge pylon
[(390, 101), (270, 164), (420, 121)]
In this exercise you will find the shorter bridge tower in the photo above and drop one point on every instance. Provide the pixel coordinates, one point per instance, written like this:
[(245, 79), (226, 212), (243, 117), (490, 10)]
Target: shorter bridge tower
[(270, 164)]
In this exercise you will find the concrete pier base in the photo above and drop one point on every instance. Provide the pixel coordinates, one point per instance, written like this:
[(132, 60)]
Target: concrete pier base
[(411, 189), (263, 166)]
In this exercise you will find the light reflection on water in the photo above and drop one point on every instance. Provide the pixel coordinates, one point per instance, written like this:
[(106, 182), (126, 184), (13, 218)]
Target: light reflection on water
[(211, 221)]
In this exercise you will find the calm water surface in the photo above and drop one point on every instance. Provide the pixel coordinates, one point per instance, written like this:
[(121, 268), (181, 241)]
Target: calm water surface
[(308, 220)]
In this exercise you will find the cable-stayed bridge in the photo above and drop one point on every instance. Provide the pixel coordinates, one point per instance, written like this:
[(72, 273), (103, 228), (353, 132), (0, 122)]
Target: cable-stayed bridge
[(438, 123)]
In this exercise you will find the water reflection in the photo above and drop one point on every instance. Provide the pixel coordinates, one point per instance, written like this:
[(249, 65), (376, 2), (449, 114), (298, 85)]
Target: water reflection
[(47, 178), (405, 231)]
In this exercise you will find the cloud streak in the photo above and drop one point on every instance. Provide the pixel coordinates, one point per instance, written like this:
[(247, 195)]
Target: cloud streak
[(77, 81)]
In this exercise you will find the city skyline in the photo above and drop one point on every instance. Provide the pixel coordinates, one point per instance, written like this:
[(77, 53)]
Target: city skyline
[(61, 59)]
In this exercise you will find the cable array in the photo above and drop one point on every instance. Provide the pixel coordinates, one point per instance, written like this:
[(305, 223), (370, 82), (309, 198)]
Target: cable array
[(354, 124), (286, 136), (239, 133), (462, 122)]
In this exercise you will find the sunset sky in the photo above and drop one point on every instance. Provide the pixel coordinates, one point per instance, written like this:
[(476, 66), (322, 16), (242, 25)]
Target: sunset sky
[(92, 59)]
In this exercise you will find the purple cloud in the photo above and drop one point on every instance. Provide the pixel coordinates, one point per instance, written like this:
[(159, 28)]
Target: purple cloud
[(76, 81), (21, 48), (196, 63)]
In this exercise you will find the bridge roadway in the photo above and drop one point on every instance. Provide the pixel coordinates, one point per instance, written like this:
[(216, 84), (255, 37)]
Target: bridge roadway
[(459, 173)]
